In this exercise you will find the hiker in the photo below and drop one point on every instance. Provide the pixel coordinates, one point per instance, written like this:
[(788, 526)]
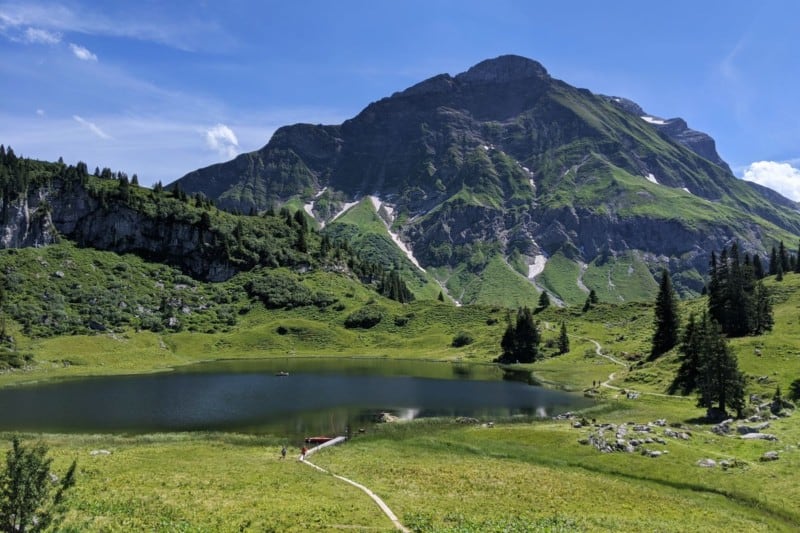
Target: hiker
[(283, 452), (303, 452)]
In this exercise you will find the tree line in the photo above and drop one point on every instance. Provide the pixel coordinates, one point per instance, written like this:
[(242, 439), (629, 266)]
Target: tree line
[(738, 304)]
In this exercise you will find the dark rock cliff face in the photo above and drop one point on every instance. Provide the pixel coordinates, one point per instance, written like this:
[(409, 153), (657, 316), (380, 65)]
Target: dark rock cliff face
[(41, 216)]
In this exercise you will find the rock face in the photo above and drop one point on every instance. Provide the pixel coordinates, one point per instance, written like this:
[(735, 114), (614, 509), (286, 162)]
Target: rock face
[(507, 160), (65, 209)]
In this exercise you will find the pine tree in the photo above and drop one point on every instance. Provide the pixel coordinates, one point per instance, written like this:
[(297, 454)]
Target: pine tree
[(520, 342), (773, 262), (783, 258), (667, 321), (544, 302), (590, 300), (758, 268), (27, 502), (709, 366), (563, 339), (527, 337), (686, 379), (763, 320), (719, 380)]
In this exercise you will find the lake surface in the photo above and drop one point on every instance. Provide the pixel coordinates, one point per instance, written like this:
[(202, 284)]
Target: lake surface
[(318, 397)]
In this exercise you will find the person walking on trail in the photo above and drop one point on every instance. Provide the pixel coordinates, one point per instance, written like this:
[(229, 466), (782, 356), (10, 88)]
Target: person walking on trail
[(283, 452), (303, 452)]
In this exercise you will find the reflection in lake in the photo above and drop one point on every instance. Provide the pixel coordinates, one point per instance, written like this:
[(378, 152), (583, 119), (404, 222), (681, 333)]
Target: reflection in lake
[(318, 396)]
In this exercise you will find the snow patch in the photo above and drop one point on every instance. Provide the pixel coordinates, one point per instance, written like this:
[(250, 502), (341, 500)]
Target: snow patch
[(344, 210), (537, 267), (485, 147), (309, 207), (533, 185), (652, 178), (685, 189), (377, 203), (654, 120)]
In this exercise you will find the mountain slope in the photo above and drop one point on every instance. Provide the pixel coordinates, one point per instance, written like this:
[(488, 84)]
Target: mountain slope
[(505, 161)]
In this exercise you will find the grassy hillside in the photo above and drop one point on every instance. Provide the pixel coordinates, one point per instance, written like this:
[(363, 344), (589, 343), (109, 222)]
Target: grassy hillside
[(521, 474)]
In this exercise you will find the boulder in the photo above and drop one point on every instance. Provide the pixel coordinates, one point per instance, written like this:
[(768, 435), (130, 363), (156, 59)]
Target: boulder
[(99, 452), (759, 436), (723, 428), (707, 463), (769, 456)]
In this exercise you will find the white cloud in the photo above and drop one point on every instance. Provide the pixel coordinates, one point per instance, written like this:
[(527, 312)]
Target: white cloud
[(94, 128), (115, 19), (40, 113), (781, 177), (40, 36), (221, 139), (82, 53)]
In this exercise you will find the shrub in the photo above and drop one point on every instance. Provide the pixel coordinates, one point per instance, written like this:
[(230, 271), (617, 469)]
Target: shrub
[(462, 339), (794, 390), (26, 499), (366, 317), (283, 291)]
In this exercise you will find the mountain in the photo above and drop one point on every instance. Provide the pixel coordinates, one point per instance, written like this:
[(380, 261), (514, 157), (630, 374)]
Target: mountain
[(503, 168)]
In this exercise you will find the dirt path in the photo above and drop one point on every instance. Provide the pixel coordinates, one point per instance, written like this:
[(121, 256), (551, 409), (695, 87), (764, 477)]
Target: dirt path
[(598, 349), (385, 508)]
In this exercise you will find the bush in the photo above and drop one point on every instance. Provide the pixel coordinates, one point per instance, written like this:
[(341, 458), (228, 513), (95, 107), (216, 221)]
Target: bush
[(794, 390), (366, 317), (26, 500), (283, 291), (400, 321), (462, 339)]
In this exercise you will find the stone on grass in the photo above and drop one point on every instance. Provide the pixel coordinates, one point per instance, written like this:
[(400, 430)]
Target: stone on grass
[(770, 456), (759, 436), (707, 463)]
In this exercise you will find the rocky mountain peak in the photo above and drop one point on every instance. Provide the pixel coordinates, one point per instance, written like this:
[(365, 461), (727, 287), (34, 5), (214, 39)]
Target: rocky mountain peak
[(504, 69)]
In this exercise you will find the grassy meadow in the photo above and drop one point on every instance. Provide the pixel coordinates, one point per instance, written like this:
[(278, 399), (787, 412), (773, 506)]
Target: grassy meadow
[(520, 474)]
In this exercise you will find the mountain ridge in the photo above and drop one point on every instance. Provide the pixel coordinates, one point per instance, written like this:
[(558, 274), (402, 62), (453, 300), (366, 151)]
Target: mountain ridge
[(508, 160)]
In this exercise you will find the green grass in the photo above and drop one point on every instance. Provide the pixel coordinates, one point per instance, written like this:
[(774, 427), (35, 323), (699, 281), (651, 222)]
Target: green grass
[(624, 278), (436, 475), (560, 276), (203, 482), (497, 283)]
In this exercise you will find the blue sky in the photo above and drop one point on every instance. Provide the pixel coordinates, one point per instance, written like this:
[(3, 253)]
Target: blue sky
[(161, 88)]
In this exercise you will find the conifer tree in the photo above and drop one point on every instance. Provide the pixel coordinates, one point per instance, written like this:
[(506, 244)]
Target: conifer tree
[(719, 380), (520, 342), (762, 321), (27, 501), (783, 258), (709, 366), (686, 379), (667, 321), (544, 302), (758, 268), (773, 262), (736, 298), (563, 339)]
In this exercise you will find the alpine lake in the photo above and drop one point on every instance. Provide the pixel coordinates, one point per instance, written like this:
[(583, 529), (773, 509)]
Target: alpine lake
[(292, 397)]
